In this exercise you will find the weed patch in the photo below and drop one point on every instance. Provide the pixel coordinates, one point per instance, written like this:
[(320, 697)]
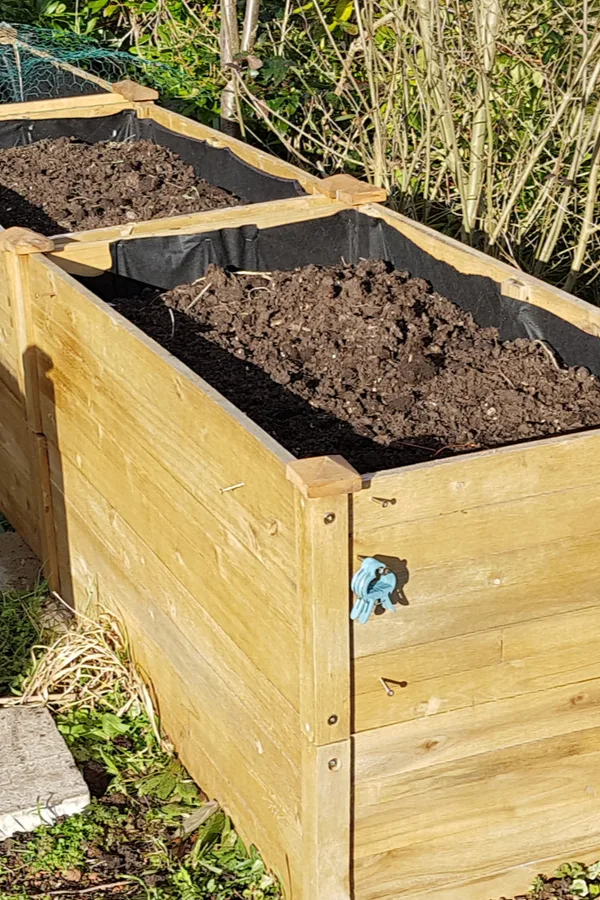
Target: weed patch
[(149, 833), (19, 631)]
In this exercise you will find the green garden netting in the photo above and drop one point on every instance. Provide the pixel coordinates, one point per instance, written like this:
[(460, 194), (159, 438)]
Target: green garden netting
[(38, 64)]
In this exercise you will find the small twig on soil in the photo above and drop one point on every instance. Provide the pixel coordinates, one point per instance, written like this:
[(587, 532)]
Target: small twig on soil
[(550, 354), (172, 314), (77, 892), (507, 379), (266, 275), (200, 295)]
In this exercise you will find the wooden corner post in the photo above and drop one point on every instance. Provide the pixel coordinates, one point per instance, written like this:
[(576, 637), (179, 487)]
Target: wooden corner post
[(18, 244), (324, 487)]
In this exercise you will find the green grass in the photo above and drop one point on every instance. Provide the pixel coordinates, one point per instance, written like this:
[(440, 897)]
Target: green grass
[(19, 632)]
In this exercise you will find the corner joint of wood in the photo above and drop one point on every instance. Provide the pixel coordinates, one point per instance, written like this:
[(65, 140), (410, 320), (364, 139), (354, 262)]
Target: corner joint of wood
[(134, 92), (516, 289), (348, 189), (23, 241), (324, 476)]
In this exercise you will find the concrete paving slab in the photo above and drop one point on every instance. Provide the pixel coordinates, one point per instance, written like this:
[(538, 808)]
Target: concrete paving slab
[(39, 781), (19, 566)]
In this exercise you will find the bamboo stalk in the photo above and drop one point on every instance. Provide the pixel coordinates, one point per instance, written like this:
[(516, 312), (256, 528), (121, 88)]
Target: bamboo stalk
[(587, 226), (567, 99), (487, 18)]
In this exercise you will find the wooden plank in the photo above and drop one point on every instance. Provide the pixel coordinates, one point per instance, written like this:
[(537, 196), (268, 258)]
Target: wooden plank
[(326, 791), (383, 754), (265, 162), (18, 498), (234, 706), (447, 486), (432, 679), (227, 578), (514, 881), (323, 596), (473, 565), (9, 359), (351, 190), (323, 489), (41, 479), (187, 421), (86, 106), (425, 680), (477, 816), (87, 253), (473, 262), (491, 592)]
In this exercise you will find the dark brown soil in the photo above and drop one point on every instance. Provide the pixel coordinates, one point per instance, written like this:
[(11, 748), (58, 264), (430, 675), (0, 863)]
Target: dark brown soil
[(366, 362), (55, 186)]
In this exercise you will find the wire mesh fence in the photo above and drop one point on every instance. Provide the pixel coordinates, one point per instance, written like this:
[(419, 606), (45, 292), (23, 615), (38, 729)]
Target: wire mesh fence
[(38, 64)]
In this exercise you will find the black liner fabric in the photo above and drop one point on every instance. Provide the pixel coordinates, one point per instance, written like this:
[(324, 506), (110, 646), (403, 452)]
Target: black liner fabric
[(166, 262), (219, 167)]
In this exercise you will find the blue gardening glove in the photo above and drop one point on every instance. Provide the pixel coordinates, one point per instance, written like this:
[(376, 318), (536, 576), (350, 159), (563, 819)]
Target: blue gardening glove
[(372, 584)]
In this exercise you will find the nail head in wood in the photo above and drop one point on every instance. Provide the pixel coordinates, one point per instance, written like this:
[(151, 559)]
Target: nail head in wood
[(324, 476), (23, 241), (348, 189), (136, 93)]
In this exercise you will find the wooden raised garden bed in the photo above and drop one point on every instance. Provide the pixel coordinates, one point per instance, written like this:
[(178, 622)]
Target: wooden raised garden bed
[(126, 112), (449, 749)]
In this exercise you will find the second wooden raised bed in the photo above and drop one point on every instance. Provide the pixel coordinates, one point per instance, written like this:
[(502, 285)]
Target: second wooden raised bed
[(126, 112), (230, 562)]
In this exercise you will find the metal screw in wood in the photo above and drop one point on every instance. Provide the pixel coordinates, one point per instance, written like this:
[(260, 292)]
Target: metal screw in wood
[(329, 518), (332, 720)]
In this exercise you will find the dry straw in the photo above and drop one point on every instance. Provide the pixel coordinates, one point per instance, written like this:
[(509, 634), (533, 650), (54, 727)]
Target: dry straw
[(85, 664)]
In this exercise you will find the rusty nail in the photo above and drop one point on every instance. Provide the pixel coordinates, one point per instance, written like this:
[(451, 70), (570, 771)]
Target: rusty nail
[(383, 501)]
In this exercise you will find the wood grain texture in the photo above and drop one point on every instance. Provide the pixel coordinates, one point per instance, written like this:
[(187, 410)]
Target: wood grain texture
[(431, 679), (131, 90), (324, 476), (326, 806), (18, 490), (351, 190), (510, 882), (87, 106), (232, 550), (475, 816), (466, 535), (241, 748), (385, 753), (9, 357), (323, 597)]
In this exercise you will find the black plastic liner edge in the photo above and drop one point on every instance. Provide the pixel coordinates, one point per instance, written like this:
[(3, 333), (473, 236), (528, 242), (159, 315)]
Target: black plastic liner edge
[(166, 262), (219, 166)]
